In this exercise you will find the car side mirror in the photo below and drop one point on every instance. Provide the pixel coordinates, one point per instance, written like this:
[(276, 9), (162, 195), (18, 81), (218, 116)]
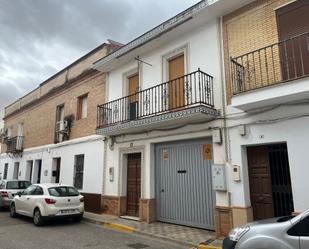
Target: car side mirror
[(19, 194)]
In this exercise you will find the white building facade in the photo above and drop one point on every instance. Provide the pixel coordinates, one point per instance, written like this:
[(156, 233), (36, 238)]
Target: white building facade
[(163, 122)]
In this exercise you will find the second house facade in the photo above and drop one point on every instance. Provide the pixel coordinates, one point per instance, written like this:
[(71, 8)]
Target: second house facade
[(163, 122)]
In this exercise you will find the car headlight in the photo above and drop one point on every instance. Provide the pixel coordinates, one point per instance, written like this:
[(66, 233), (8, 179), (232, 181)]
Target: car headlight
[(238, 232)]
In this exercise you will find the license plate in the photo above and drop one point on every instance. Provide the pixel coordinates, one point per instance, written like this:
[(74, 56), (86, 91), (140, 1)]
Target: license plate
[(69, 211)]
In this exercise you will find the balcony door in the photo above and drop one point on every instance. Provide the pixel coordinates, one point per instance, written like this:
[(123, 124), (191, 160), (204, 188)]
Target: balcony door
[(294, 53), (133, 82), (176, 69)]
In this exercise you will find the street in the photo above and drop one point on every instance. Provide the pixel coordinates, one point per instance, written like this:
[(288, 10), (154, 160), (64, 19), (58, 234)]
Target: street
[(20, 233)]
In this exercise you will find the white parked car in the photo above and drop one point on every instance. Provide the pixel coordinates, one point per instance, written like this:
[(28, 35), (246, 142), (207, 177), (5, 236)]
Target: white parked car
[(48, 201), (9, 188)]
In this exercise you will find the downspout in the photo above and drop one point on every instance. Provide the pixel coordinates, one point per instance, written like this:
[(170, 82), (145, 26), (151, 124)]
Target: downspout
[(223, 92), (105, 141)]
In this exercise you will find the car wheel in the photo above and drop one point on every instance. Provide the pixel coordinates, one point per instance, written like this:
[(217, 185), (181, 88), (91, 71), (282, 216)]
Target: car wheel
[(37, 217), (13, 213), (77, 218)]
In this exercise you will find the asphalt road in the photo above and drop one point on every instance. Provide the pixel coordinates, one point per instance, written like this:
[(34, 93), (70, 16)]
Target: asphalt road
[(20, 233)]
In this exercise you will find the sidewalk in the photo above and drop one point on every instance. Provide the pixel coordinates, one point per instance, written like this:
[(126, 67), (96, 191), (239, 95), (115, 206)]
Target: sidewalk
[(178, 234)]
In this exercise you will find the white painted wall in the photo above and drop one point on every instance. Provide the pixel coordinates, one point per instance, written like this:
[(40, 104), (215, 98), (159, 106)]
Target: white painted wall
[(202, 48), (145, 143), (289, 127), (92, 147)]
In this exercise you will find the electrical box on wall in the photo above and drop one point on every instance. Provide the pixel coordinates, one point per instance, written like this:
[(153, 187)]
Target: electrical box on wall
[(218, 177), (236, 173), (216, 136), (242, 130), (111, 174)]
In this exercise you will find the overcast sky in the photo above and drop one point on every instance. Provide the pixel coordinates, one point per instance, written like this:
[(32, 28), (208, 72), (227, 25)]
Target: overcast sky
[(40, 37)]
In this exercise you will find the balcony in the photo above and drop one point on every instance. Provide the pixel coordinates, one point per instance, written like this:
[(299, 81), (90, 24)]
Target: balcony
[(272, 75), (14, 145), (187, 99)]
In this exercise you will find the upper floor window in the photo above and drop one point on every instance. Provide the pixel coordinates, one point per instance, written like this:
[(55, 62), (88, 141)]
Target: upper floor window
[(60, 113), (79, 171), (60, 124), (20, 129), (9, 132), (82, 106)]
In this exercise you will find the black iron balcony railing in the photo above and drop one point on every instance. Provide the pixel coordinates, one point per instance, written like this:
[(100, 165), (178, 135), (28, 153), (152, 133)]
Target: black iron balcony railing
[(14, 144), (190, 90), (280, 62)]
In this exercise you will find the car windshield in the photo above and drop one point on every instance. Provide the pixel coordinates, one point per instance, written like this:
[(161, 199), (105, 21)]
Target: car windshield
[(18, 184), (62, 191)]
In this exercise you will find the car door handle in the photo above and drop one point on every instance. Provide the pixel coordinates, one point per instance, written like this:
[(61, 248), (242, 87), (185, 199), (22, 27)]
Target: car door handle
[(28, 198)]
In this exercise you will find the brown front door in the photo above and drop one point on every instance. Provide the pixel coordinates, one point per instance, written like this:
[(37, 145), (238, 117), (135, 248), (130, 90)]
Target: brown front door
[(294, 54), (133, 184), (260, 182), (176, 86)]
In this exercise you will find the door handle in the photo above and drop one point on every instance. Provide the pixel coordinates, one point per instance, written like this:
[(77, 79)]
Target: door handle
[(28, 198)]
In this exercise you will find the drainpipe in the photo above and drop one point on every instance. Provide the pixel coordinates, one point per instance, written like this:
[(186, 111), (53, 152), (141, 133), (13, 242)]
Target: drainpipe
[(223, 97), (223, 92), (105, 141)]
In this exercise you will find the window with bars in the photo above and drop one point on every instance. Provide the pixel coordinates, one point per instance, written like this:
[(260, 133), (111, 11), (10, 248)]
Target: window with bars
[(79, 171), (5, 173)]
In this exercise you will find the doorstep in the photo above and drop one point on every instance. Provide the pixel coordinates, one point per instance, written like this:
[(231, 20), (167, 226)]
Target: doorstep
[(183, 235)]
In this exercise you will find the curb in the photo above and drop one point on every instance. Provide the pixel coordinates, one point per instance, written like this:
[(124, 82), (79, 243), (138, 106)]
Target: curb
[(201, 246), (114, 226), (206, 246), (119, 227), (211, 245), (123, 228)]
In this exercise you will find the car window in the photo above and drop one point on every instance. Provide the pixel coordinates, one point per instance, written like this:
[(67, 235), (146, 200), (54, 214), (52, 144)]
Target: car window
[(38, 191), (301, 228), (63, 191), (17, 184), (12, 185), (24, 184), (29, 190), (2, 185)]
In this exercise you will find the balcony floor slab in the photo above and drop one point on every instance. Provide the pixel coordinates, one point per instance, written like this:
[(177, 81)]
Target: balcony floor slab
[(166, 120)]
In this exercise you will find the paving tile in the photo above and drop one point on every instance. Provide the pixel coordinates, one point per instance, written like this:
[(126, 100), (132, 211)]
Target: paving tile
[(181, 234)]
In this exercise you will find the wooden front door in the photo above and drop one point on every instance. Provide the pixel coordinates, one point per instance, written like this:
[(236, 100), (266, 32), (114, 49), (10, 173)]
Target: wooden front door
[(260, 182), (133, 184), (293, 20), (176, 69)]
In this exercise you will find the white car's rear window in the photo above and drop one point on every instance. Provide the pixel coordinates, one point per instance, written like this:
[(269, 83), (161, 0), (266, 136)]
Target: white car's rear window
[(62, 191), (17, 184)]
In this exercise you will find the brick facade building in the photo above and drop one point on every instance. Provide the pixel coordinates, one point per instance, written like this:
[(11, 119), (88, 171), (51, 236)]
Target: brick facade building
[(36, 139)]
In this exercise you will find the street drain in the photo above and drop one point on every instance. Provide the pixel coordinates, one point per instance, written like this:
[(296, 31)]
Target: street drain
[(138, 246)]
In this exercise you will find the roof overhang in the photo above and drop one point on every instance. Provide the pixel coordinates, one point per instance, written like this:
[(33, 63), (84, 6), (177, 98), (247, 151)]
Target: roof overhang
[(197, 14)]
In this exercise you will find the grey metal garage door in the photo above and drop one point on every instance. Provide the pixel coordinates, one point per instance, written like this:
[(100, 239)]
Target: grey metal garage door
[(184, 191)]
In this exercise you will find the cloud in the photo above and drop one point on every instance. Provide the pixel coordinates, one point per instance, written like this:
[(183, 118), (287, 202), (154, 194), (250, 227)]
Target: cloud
[(39, 38)]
